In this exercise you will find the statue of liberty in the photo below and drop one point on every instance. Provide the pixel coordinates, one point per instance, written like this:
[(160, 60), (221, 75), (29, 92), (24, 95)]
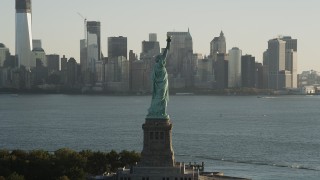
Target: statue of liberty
[(160, 87)]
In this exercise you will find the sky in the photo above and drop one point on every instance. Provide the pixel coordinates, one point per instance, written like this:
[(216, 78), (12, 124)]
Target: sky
[(247, 24)]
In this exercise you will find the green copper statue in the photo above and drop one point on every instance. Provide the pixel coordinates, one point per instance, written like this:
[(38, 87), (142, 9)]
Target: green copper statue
[(160, 87)]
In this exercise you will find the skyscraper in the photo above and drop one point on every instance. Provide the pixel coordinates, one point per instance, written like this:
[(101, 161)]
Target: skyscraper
[(248, 71), (23, 33), (83, 55), (291, 59), (153, 37), (36, 43), (53, 63), (4, 54), (117, 46), (150, 48), (218, 45), (276, 62), (179, 59), (38, 54), (280, 60), (221, 73), (291, 65), (234, 68), (181, 50), (93, 45)]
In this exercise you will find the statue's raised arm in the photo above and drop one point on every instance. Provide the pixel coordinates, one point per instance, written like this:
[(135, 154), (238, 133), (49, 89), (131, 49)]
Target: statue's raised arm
[(166, 50), (160, 87), (168, 45)]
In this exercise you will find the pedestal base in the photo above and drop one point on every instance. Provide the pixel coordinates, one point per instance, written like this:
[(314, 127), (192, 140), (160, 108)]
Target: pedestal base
[(157, 144)]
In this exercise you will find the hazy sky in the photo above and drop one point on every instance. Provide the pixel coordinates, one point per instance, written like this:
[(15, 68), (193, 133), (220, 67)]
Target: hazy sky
[(247, 24)]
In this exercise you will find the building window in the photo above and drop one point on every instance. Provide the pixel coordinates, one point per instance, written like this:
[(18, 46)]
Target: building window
[(157, 137), (161, 135), (151, 135)]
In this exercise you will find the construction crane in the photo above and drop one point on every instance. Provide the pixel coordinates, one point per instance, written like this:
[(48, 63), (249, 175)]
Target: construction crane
[(85, 25)]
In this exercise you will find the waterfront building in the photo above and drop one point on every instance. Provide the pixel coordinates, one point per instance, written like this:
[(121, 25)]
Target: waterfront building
[(204, 73), (308, 78), (179, 60), (291, 59), (117, 74), (24, 34), (64, 69), (290, 43), (72, 73), (234, 68), (221, 71), (53, 63), (150, 49), (140, 70), (93, 47), (36, 43), (248, 71), (117, 46), (83, 55), (218, 45), (4, 54), (285, 78), (153, 37), (291, 66), (64, 61), (276, 62), (281, 55), (259, 75), (100, 73), (38, 54), (39, 74)]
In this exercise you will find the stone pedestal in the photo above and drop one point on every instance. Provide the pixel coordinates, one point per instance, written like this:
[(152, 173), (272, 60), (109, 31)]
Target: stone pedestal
[(157, 144)]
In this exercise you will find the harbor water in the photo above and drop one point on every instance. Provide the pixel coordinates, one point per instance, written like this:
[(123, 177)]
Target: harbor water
[(262, 138)]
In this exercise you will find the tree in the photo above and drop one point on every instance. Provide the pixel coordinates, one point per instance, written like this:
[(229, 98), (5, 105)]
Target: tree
[(63, 178), (15, 176), (69, 163), (129, 158), (18, 161), (98, 163), (39, 166), (4, 163), (114, 159)]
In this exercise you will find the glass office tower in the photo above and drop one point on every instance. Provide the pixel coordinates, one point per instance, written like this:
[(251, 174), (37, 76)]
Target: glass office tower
[(24, 33)]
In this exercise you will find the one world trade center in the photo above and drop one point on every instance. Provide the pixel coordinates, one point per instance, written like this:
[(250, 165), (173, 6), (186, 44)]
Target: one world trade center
[(24, 34)]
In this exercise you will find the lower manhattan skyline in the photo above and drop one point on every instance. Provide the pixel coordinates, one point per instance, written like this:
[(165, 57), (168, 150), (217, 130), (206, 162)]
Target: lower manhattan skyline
[(247, 24)]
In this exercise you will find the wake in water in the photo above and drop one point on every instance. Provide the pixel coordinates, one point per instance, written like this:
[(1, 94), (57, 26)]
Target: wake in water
[(293, 166)]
